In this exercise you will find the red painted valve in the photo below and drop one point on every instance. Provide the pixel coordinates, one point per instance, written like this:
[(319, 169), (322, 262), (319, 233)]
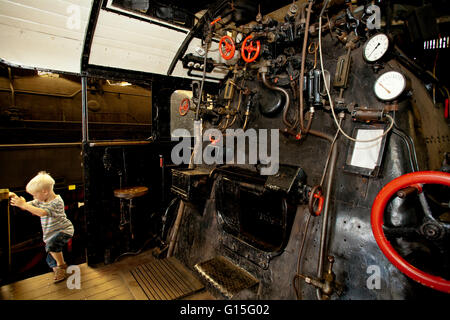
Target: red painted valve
[(378, 208), (316, 195), (248, 51), (227, 47), (184, 107)]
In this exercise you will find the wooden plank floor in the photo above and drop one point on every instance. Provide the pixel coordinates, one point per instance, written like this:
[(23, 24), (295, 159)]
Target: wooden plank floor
[(110, 282)]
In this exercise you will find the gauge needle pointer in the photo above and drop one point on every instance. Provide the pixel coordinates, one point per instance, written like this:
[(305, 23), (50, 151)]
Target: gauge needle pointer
[(374, 49), (384, 87)]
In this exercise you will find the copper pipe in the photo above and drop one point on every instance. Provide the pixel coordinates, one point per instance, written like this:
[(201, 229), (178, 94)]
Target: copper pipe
[(245, 122), (322, 135), (302, 68)]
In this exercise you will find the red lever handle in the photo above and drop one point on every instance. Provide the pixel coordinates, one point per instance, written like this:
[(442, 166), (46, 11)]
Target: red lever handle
[(446, 109), (316, 195)]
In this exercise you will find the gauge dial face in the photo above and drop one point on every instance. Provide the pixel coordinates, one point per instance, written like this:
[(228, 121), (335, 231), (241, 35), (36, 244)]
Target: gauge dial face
[(376, 47), (389, 85)]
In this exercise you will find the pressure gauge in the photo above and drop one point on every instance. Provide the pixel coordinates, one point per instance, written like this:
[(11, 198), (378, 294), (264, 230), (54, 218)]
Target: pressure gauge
[(390, 85), (376, 47)]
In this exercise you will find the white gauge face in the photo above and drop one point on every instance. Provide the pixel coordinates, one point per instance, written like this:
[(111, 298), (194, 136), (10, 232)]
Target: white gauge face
[(389, 85), (376, 47)]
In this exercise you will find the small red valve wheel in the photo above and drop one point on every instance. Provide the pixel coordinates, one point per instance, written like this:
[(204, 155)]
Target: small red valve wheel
[(316, 196), (214, 140), (248, 51), (377, 214), (227, 47), (184, 107)]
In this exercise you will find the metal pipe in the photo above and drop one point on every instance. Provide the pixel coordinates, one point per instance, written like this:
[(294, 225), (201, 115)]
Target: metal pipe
[(96, 122), (175, 229), (42, 93), (209, 14), (13, 100), (283, 91), (40, 145), (119, 143), (323, 236), (4, 195), (410, 146), (302, 68), (84, 110), (203, 82), (61, 95)]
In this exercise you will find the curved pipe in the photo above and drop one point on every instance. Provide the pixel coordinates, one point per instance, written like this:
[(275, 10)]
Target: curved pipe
[(283, 91), (212, 11)]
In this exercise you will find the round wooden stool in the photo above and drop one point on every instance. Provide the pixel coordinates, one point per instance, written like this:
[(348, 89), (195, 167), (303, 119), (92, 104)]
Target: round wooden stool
[(129, 194)]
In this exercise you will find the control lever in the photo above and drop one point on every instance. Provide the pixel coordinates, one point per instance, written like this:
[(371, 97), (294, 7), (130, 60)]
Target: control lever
[(328, 285)]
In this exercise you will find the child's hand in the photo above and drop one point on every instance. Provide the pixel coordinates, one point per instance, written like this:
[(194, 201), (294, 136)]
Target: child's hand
[(12, 195), (18, 201)]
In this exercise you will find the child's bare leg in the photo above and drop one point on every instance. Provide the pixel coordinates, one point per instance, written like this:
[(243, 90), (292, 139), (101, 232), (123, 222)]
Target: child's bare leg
[(58, 256)]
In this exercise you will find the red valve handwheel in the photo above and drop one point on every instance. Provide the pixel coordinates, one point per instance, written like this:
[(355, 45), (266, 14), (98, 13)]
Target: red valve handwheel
[(248, 52), (184, 107), (213, 140), (379, 205), (230, 48)]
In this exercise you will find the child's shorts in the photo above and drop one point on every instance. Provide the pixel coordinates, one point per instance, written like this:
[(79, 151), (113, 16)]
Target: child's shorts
[(56, 244)]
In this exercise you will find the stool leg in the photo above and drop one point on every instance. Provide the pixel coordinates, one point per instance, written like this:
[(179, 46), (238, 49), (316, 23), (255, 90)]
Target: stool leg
[(123, 219), (130, 208)]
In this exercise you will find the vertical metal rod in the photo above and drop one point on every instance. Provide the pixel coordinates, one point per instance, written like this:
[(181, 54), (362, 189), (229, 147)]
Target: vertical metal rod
[(84, 110), (4, 195), (13, 98), (9, 241), (163, 185), (323, 237)]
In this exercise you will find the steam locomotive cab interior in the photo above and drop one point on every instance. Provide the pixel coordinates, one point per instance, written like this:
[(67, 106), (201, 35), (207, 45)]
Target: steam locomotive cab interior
[(278, 150)]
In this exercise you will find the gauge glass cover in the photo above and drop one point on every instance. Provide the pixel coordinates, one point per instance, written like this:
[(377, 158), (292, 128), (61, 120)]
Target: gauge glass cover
[(376, 47), (389, 85)]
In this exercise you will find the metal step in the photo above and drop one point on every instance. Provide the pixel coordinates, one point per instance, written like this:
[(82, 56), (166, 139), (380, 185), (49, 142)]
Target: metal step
[(166, 279), (228, 278)]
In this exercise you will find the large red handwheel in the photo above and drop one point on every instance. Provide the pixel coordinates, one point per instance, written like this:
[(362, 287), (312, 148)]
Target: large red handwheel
[(227, 47), (248, 51), (184, 107), (379, 205)]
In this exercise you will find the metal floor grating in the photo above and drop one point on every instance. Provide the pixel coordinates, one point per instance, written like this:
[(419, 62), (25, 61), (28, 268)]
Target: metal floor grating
[(228, 278), (165, 279)]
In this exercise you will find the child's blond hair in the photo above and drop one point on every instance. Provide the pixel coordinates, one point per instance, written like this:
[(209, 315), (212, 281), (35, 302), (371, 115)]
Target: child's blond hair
[(42, 181)]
